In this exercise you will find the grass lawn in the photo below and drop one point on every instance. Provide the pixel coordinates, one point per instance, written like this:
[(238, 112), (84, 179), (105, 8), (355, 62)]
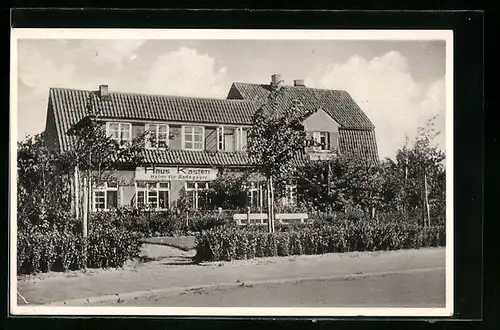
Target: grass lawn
[(185, 243)]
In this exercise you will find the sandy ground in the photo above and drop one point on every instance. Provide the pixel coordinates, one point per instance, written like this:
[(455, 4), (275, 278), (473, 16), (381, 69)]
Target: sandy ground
[(171, 267)]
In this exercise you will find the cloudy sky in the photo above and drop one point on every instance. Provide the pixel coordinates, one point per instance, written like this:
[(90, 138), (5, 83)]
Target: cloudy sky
[(399, 84)]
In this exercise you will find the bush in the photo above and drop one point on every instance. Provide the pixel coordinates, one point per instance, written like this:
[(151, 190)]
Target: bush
[(144, 224), (208, 220), (43, 250), (227, 243)]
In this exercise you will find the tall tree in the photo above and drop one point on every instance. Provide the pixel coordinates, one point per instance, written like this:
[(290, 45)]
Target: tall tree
[(275, 140), (95, 154), (40, 183), (416, 178)]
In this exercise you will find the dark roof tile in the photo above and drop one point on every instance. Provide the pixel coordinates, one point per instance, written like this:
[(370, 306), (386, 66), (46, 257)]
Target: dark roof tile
[(337, 103), (70, 106)]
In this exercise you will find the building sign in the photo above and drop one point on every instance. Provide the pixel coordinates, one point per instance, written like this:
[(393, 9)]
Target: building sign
[(151, 173)]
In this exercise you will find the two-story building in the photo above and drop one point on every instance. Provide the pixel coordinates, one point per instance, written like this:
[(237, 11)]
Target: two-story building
[(191, 140)]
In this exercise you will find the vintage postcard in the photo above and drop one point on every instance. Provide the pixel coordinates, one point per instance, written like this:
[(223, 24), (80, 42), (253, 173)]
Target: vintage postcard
[(231, 172)]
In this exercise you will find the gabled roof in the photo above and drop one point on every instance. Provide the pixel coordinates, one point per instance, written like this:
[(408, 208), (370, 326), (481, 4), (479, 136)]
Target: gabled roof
[(360, 143), (69, 106), (337, 103)]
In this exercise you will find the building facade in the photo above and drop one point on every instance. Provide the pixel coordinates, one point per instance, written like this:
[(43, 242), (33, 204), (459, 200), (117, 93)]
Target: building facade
[(191, 141)]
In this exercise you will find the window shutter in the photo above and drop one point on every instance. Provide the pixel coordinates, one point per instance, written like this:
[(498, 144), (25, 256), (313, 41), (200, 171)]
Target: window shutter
[(148, 137), (334, 141)]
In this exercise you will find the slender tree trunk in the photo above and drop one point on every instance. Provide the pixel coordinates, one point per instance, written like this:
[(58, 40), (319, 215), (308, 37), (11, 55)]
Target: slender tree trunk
[(268, 191), (423, 203), (426, 195), (77, 193), (85, 205), (272, 205)]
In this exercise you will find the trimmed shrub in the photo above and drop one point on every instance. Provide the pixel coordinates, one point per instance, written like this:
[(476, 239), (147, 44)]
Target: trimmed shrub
[(228, 243), (43, 250)]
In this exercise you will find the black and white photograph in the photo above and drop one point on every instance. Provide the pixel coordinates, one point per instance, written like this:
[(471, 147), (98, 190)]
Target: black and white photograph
[(231, 172)]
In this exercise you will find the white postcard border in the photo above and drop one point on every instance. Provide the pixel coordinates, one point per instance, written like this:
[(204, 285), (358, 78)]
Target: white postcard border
[(185, 34)]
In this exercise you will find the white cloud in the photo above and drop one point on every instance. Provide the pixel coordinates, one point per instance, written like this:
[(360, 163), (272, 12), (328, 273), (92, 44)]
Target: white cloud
[(187, 72), (40, 73), (385, 90), (111, 51)]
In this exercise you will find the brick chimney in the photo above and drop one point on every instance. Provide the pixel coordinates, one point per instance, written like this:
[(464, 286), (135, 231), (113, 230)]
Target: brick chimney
[(103, 92), (276, 81), (299, 83)]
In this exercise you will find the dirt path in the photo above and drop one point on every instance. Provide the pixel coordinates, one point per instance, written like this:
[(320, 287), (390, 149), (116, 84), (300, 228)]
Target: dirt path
[(173, 268)]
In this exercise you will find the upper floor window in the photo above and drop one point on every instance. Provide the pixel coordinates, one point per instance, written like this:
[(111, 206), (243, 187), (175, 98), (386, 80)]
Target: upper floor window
[(105, 197), (120, 132), (192, 137), (221, 138), (231, 138), (157, 137), (323, 141), (241, 138)]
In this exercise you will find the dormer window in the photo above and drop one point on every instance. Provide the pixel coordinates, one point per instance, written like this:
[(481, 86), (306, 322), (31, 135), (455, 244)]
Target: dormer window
[(192, 137), (120, 132), (157, 137)]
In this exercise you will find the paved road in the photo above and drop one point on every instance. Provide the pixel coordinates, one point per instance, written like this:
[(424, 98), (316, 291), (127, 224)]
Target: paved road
[(175, 273), (419, 288)]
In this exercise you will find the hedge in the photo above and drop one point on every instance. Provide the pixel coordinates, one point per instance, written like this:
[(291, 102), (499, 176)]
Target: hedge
[(43, 250), (225, 243)]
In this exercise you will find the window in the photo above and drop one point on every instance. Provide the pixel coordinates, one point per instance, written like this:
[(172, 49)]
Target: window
[(291, 194), (193, 137), (242, 139), (105, 197), (157, 137), (254, 195), (221, 140), (154, 195), (195, 188), (231, 139), (323, 139), (120, 132)]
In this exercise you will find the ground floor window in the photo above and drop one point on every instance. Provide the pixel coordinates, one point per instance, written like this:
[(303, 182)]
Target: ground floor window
[(291, 194), (152, 195), (195, 189), (105, 197), (255, 194)]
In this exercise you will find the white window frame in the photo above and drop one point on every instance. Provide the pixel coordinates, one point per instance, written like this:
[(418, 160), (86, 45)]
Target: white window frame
[(317, 137), (150, 134), (150, 187), (254, 192), (196, 190), (221, 139), (103, 188), (291, 194), (193, 135), (239, 139), (120, 125)]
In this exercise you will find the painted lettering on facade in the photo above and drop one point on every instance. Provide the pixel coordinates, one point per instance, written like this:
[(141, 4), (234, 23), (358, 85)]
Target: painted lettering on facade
[(175, 174)]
